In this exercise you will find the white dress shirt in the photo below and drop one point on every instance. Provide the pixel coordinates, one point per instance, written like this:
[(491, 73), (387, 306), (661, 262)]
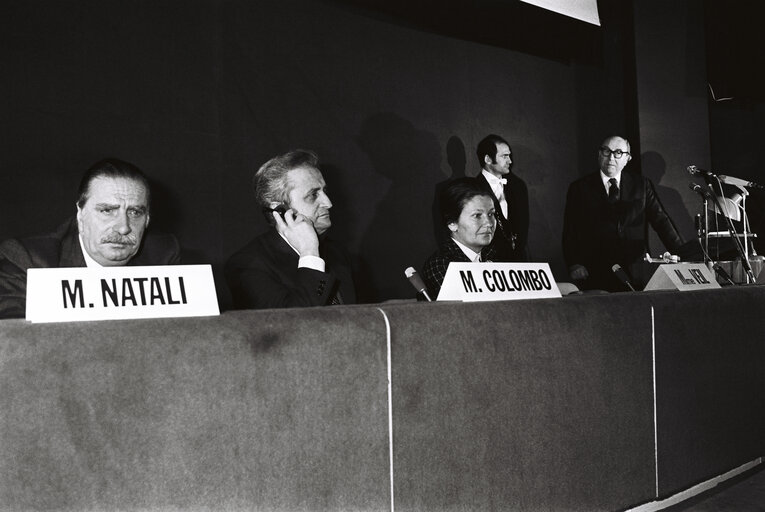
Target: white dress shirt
[(607, 185), (308, 261), (498, 187), (89, 262), (470, 253)]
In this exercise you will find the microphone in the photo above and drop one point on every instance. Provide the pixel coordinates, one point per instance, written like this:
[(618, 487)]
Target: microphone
[(695, 171), (621, 275), (701, 190), (417, 282), (730, 180), (722, 273)]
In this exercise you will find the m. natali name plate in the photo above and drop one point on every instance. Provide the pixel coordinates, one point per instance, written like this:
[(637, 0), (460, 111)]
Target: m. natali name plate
[(117, 293)]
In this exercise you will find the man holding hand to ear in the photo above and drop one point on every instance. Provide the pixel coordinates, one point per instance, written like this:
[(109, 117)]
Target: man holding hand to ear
[(293, 264)]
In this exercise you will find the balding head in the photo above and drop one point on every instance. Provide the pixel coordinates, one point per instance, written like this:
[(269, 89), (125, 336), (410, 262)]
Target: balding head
[(613, 155)]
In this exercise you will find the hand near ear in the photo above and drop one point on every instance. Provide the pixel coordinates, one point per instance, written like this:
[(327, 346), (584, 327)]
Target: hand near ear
[(299, 232)]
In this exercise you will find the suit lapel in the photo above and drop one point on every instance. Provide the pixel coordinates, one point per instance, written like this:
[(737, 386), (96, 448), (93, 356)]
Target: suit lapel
[(337, 264), (284, 252), (627, 187), (454, 253), (596, 186), (71, 252), (628, 197)]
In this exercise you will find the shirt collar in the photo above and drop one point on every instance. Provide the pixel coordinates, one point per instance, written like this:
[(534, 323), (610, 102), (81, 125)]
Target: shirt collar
[(493, 180), (605, 179), (288, 242), (89, 262), (470, 253)]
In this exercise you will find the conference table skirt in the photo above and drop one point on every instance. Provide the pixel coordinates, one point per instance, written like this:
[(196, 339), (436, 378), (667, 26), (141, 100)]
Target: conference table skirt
[(592, 402)]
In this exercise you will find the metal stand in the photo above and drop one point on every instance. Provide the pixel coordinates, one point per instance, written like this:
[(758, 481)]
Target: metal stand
[(742, 249)]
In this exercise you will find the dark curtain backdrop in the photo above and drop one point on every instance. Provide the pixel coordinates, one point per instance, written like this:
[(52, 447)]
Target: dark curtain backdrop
[(200, 93)]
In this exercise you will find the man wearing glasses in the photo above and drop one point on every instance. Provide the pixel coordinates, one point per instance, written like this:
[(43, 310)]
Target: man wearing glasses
[(606, 222)]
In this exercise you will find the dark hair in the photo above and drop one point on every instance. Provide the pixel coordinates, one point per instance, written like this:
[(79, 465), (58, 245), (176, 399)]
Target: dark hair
[(111, 168), (456, 194), (270, 181), (488, 146)]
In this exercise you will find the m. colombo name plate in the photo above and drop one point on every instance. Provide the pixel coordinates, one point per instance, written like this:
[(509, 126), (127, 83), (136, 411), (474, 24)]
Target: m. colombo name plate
[(118, 293), (498, 281)]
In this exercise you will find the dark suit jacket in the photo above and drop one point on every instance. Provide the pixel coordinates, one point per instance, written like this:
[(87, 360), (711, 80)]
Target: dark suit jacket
[(265, 274), (434, 270), (61, 248), (598, 234), (516, 223)]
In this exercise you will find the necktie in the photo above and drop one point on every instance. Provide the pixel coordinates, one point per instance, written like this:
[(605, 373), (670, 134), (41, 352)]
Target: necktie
[(613, 191), (336, 298)]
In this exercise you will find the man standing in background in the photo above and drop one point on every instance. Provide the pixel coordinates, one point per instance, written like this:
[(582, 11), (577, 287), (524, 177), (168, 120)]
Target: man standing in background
[(606, 222), (511, 199)]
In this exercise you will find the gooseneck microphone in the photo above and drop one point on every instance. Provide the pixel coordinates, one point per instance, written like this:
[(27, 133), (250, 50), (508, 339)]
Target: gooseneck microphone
[(621, 275), (417, 282), (730, 180), (722, 273), (700, 190), (695, 171)]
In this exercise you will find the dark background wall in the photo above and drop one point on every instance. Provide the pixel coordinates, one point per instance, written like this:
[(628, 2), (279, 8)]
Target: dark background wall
[(673, 113), (736, 71), (393, 97)]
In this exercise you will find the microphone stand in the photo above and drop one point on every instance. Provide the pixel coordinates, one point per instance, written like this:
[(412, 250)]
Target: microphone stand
[(732, 231), (707, 257), (745, 222)]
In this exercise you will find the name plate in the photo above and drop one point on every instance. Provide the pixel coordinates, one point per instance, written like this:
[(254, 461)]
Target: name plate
[(118, 293), (498, 281), (683, 277)]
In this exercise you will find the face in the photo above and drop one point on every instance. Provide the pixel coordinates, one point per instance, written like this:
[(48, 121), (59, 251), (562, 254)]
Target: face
[(308, 196), (476, 224), (501, 164), (610, 165), (113, 219)]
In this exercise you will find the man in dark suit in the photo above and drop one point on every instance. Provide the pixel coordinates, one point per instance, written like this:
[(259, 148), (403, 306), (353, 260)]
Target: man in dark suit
[(511, 199), (108, 230), (293, 264), (606, 222)]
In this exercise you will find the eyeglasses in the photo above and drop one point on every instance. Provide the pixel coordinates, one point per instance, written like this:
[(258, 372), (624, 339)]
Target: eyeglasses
[(607, 152)]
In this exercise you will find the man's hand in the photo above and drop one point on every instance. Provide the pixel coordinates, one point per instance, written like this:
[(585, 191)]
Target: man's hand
[(299, 232), (578, 272)]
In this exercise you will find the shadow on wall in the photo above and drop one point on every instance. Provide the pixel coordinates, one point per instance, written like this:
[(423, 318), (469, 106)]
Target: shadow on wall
[(400, 234), (655, 167), (165, 208), (457, 159), (545, 214)]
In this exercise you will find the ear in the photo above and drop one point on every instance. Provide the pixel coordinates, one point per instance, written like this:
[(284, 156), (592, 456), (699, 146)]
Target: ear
[(452, 227), (79, 217), (274, 204), (148, 218), (487, 159)]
